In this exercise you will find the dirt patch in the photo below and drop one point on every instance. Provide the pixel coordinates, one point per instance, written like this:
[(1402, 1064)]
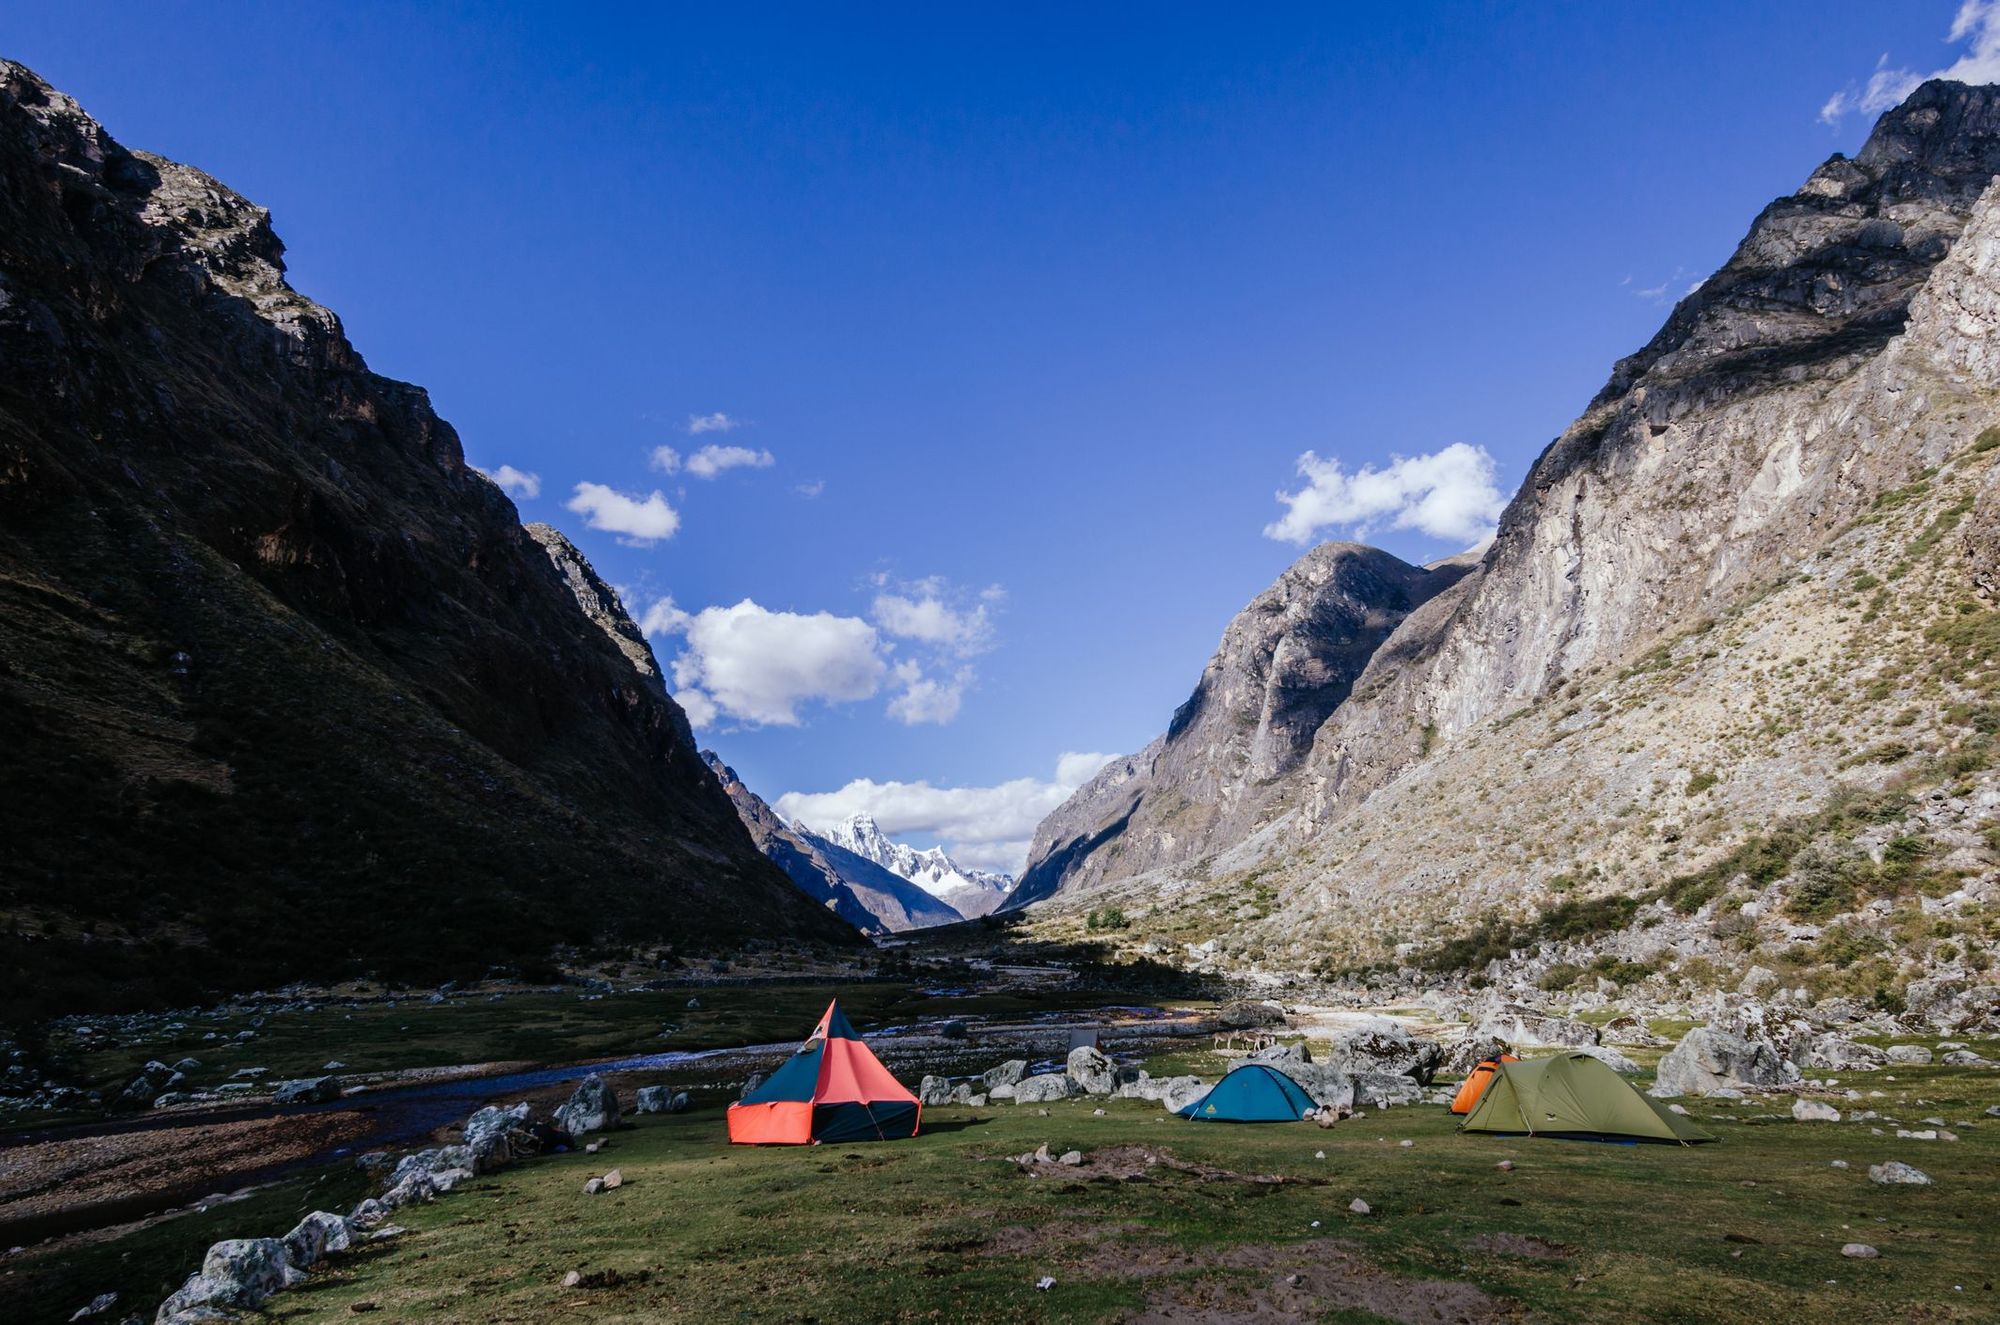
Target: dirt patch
[(1308, 1281), (1258, 1284), (1520, 1244), (84, 1180), (1144, 1163)]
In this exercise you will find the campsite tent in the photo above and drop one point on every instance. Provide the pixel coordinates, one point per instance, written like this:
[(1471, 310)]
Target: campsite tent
[(1476, 1082), (1252, 1093), (1573, 1095), (833, 1089)]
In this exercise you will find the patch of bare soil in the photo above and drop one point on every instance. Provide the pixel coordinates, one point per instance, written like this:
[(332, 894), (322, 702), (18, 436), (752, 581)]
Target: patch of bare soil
[(1307, 1281), (1520, 1244), (44, 1180), (1134, 1163), (1258, 1284)]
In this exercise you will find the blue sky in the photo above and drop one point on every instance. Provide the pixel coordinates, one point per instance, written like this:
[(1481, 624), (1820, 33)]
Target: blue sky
[(1017, 319)]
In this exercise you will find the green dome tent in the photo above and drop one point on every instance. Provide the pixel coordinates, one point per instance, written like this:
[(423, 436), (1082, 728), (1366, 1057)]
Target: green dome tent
[(1252, 1093), (1574, 1095)]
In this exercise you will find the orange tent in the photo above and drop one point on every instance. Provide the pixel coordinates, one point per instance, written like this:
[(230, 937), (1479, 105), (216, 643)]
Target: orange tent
[(1476, 1082), (833, 1089)]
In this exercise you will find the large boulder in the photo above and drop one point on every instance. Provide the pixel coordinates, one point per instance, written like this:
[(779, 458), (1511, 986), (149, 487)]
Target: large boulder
[(593, 1107), (1172, 1093), (934, 1090), (237, 1275), (1008, 1073), (661, 1099), (1292, 1051), (308, 1090), (1243, 1014), (494, 1136), (317, 1234), (1328, 1085), (1044, 1086), (1708, 1060), (1381, 1045), (153, 1080), (1523, 1025), (1470, 1050), (1382, 1090), (1832, 1052), (1092, 1072), (1909, 1055)]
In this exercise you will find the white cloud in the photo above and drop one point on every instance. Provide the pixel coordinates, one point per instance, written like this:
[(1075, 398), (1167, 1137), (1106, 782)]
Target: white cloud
[(639, 521), (516, 483), (700, 709), (987, 827), (1977, 21), (662, 618), (717, 422), (666, 460), (810, 490), (932, 611), (712, 460), (760, 666), (928, 698), (1449, 494)]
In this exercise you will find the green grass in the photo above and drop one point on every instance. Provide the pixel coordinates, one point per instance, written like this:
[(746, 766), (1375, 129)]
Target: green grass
[(905, 1231)]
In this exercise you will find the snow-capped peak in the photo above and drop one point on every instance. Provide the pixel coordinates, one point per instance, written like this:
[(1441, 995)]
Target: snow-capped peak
[(971, 892)]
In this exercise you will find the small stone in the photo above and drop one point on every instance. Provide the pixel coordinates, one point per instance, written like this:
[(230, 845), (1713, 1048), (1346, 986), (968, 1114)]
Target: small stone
[(593, 1187), (1045, 1283), (97, 1306), (1406, 1145), (1505, 1166), (1814, 1111), (1895, 1171), (1097, 1113), (1071, 1158), (1838, 1164), (593, 1147), (1359, 1206), (1319, 1154), (572, 1279), (615, 1178), (1859, 1251), (1679, 1109)]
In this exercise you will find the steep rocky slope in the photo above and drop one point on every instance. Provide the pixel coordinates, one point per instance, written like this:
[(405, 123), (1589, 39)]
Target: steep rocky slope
[(858, 890), (1285, 664), (1722, 691), (286, 690)]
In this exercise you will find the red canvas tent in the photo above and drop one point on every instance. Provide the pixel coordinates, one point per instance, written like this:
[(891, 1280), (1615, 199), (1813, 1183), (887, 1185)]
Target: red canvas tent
[(833, 1089)]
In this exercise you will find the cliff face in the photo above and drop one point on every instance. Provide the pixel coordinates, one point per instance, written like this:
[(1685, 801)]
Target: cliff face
[(286, 690), (1286, 662), (858, 890), (1753, 582)]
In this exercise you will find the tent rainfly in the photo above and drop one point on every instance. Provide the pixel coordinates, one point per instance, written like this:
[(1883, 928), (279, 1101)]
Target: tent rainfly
[(1252, 1093), (833, 1089), (1476, 1082), (1573, 1095)]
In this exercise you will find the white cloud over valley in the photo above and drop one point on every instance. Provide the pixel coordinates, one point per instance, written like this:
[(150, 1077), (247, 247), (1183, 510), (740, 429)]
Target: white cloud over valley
[(1449, 494), (986, 827), (698, 424), (519, 484), (712, 460), (639, 521), (1977, 22)]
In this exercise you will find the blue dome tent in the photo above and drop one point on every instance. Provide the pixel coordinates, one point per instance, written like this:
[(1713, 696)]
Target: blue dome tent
[(1252, 1093)]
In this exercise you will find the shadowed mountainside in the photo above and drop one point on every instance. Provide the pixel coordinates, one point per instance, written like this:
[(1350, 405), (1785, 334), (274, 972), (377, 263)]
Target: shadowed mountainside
[(286, 690)]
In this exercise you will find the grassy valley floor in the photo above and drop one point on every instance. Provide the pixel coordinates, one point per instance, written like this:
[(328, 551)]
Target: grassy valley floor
[(946, 1227)]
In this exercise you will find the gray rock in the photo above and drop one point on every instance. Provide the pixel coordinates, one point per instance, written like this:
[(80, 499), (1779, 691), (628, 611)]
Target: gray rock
[(240, 1274), (1381, 1090), (1835, 1053), (750, 1083), (1359, 1206), (308, 1090), (1611, 1058), (1707, 1060), (1896, 1172), (934, 1090), (1008, 1073), (1814, 1111), (1859, 1251), (1382, 1045), (1470, 1050), (660, 1099), (1909, 1055), (1966, 1058), (1043, 1087), (97, 1306), (495, 1136), (593, 1107), (1092, 1072), (314, 1236), (1243, 1014), (1294, 1051), (1329, 1086), (1523, 1025)]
